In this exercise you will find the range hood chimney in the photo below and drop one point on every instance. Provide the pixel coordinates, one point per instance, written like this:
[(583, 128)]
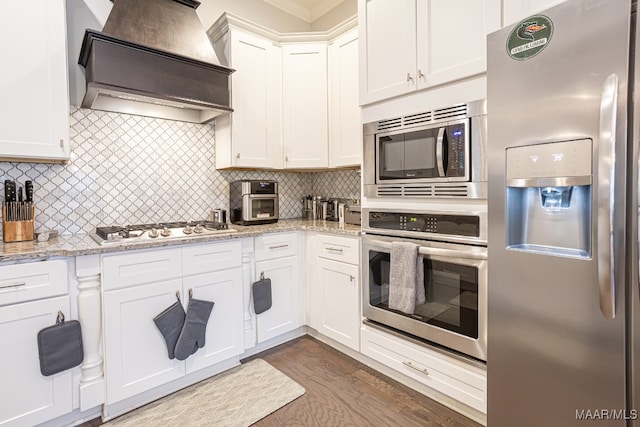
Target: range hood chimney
[(154, 58)]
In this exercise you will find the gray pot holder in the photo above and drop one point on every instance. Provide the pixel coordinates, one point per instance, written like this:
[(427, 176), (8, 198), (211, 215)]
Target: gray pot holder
[(193, 333), (170, 323), (60, 346), (261, 294)]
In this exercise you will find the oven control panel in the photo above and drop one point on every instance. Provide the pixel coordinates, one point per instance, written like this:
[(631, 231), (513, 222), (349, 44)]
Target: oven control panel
[(455, 225)]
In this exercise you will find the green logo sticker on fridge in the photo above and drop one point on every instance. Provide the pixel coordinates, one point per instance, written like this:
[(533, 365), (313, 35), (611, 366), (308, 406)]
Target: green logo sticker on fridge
[(529, 37)]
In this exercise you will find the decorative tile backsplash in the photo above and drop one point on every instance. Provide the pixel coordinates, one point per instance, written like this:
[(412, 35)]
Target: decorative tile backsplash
[(344, 184), (127, 169)]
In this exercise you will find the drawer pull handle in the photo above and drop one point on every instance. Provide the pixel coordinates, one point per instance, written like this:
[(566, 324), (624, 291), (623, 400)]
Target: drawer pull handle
[(278, 246), (421, 370), (334, 249), (13, 285)]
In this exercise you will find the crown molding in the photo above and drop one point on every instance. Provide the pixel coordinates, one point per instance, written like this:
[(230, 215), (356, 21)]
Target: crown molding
[(299, 11), (228, 20)]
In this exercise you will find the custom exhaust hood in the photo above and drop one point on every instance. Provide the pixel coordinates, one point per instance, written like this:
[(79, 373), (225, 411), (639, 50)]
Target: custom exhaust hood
[(154, 58)]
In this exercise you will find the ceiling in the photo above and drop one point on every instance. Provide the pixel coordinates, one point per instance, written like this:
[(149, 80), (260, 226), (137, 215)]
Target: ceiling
[(307, 10)]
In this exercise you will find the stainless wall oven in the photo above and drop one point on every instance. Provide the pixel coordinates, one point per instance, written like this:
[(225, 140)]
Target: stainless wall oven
[(439, 153), (454, 256)]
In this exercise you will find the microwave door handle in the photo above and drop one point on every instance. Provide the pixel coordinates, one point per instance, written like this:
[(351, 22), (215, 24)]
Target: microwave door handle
[(606, 196), (440, 152)]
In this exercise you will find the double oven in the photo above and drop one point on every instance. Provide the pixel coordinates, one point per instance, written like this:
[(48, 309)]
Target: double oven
[(429, 159)]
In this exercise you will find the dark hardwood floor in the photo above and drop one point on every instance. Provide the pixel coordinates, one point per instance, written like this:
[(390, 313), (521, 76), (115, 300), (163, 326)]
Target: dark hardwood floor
[(340, 391)]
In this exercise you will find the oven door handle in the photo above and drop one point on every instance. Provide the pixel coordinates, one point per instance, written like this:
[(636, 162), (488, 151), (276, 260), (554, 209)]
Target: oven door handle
[(262, 196), (429, 251), (440, 152)]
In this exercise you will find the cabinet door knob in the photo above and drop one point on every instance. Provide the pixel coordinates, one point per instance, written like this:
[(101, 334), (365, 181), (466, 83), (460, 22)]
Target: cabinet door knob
[(409, 78), (238, 156), (420, 74), (351, 278), (286, 158)]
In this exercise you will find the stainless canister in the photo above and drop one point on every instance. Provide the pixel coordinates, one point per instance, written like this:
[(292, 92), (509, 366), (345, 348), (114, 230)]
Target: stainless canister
[(307, 213), (324, 209)]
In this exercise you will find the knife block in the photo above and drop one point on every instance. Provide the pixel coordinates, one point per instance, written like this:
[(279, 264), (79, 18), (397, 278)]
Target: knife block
[(17, 231)]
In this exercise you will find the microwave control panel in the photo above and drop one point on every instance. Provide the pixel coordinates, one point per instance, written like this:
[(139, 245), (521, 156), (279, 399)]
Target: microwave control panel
[(456, 143), (455, 225)]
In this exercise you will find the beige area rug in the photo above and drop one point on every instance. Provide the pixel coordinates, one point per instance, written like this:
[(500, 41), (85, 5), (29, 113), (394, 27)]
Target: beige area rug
[(238, 397)]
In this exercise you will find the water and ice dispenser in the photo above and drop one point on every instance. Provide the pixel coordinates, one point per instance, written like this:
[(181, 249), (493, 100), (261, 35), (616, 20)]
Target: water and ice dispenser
[(549, 198)]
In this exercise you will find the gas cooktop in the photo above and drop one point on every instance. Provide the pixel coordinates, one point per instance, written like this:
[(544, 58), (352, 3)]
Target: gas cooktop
[(159, 231)]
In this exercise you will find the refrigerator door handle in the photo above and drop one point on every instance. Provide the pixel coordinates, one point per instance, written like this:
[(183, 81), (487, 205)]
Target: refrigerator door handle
[(439, 152), (606, 200)]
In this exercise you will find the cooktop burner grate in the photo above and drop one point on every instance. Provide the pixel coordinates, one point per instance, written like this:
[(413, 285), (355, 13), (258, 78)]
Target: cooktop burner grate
[(161, 230)]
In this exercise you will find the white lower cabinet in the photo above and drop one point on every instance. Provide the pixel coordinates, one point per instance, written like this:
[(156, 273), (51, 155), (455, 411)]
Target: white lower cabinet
[(450, 376), (28, 397), (136, 357), (224, 337), (276, 258), (340, 299), (333, 275), (285, 313)]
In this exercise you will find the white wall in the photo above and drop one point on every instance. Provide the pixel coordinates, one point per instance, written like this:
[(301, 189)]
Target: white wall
[(253, 10), (335, 16), (81, 14)]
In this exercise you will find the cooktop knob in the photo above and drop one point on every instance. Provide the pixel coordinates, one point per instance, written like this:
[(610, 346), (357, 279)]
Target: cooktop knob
[(153, 233), (198, 228), (165, 232)]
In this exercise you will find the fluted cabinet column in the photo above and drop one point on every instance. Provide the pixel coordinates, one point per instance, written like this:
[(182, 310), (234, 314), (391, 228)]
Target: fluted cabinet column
[(248, 275), (90, 316)]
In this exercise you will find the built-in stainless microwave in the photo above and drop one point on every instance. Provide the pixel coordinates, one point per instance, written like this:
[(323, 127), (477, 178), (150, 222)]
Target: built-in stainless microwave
[(438, 153)]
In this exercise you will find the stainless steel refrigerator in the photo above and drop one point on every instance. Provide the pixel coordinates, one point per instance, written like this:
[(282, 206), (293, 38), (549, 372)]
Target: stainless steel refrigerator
[(563, 312)]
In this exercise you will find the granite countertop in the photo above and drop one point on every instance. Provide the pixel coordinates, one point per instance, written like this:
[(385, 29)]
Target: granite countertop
[(83, 244)]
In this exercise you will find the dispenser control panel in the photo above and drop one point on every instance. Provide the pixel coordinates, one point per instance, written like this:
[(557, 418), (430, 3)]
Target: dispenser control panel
[(550, 160), (454, 225)]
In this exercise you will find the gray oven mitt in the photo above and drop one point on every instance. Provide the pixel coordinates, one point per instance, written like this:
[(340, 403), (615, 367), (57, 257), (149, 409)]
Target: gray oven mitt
[(170, 323), (195, 327)]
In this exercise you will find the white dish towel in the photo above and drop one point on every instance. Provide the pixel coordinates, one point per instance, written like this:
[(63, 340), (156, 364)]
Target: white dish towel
[(406, 277)]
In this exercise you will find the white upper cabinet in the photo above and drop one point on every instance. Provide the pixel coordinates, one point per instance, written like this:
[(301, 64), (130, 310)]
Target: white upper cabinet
[(295, 97), (252, 135), (304, 106), (345, 136), (515, 10), (410, 45), (452, 41), (387, 48), (34, 106)]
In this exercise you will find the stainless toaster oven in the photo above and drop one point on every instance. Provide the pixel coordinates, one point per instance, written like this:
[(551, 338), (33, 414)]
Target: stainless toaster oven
[(253, 202)]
